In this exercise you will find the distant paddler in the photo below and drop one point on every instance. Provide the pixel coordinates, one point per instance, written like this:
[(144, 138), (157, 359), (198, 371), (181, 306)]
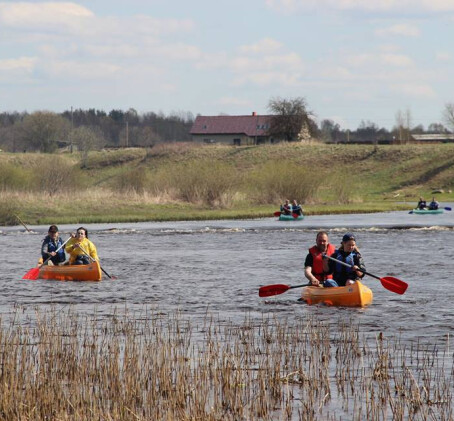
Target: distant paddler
[(80, 248)]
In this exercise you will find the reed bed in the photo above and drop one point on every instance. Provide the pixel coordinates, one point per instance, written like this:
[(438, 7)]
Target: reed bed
[(61, 365)]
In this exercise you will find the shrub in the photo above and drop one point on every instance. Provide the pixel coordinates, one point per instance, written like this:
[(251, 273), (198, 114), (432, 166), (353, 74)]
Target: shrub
[(134, 180), (211, 183), (56, 175), (14, 177), (8, 211), (279, 180)]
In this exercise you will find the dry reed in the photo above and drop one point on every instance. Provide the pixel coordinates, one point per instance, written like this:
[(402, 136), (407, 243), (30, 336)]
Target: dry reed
[(61, 365)]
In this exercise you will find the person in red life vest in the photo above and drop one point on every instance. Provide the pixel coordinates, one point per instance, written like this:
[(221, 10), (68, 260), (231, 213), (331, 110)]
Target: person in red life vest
[(349, 253), (313, 266)]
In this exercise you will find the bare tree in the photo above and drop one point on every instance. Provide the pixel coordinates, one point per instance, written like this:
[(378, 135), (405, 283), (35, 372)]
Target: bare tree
[(87, 139), (290, 118), (403, 126), (448, 115)]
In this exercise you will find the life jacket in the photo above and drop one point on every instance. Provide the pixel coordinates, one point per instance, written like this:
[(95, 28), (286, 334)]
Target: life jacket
[(342, 270), (317, 265), (53, 246)]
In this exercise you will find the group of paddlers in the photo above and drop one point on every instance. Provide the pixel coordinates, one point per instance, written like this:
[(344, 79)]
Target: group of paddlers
[(80, 250), (422, 204), (288, 208), (322, 271)]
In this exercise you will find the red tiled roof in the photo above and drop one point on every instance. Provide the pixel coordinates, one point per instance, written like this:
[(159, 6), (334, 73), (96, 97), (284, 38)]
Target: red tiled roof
[(251, 125)]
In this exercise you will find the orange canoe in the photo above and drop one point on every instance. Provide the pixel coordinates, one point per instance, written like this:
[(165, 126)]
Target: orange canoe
[(91, 272), (355, 295)]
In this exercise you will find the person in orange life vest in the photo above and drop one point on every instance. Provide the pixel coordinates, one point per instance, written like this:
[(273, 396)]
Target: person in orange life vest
[(349, 253), (313, 266)]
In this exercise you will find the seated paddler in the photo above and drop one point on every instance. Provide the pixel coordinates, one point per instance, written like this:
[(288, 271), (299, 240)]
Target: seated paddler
[(80, 249), (51, 248)]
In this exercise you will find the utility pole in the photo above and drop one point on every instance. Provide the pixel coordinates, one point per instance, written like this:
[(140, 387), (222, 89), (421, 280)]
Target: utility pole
[(72, 129), (127, 133)]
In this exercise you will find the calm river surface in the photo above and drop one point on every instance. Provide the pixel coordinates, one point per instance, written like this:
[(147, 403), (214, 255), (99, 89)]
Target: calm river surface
[(218, 267)]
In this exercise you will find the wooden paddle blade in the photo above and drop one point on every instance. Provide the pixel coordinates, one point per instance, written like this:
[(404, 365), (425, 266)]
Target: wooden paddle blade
[(32, 274), (277, 213), (276, 289), (394, 284)]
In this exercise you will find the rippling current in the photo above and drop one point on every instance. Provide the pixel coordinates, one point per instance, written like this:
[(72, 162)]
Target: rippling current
[(218, 267)]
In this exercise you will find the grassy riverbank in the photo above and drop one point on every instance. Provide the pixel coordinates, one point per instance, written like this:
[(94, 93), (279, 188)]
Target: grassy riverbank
[(186, 181)]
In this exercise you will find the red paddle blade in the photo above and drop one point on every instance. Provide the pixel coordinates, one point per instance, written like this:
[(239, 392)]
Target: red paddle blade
[(394, 284), (276, 289), (32, 274), (295, 215), (277, 213)]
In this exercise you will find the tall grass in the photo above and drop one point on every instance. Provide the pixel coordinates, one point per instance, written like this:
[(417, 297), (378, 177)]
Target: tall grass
[(135, 180), (8, 212), (13, 177), (276, 181), (210, 183)]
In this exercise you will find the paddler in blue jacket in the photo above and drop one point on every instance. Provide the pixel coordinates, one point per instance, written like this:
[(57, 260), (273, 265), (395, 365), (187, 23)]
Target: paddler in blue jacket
[(51, 243), (347, 253)]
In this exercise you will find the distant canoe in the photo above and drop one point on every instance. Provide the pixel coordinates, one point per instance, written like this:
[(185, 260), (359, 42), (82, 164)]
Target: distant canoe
[(283, 217), (427, 211), (90, 272)]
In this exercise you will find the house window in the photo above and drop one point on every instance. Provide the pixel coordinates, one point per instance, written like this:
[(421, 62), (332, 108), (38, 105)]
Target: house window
[(204, 126), (237, 142)]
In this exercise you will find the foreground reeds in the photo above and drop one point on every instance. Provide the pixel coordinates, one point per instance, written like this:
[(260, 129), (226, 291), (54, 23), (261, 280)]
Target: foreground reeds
[(60, 365)]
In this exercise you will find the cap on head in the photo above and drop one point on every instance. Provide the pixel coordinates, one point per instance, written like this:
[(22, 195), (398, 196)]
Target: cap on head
[(53, 228), (347, 237)]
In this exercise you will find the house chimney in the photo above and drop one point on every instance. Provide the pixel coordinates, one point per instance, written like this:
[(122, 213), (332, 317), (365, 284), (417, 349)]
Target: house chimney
[(254, 113)]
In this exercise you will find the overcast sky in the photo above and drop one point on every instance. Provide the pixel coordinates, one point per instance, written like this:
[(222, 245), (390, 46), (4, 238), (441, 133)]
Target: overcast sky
[(351, 60)]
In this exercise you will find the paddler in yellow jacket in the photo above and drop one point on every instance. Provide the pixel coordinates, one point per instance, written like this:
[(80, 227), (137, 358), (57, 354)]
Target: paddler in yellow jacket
[(79, 247)]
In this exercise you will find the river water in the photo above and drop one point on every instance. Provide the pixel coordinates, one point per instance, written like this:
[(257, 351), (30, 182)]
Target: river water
[(218, 267)]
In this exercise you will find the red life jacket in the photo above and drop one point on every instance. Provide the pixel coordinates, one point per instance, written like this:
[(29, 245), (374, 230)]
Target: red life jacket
[(317, 265)]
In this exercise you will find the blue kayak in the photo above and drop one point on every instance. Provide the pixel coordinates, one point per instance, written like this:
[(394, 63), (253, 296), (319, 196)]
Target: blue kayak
[(283, 217), (427, 211)]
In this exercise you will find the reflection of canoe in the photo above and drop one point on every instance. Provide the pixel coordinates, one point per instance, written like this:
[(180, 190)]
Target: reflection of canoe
[(91, 272), (355, 295), (427, 211), (290, 217)]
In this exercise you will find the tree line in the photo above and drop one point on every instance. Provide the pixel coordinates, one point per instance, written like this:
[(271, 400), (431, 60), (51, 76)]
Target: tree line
[(46, 131), (90, 129), (293, 121)]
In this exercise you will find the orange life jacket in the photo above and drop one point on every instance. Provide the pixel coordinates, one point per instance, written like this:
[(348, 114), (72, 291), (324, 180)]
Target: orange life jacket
[(317, 265)]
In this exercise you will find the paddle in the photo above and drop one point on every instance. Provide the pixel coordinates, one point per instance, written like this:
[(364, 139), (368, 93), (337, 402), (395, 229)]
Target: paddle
[(23, 223), (389, 282), (276, 289), (33, 274), (278, 213), (94, 260)]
